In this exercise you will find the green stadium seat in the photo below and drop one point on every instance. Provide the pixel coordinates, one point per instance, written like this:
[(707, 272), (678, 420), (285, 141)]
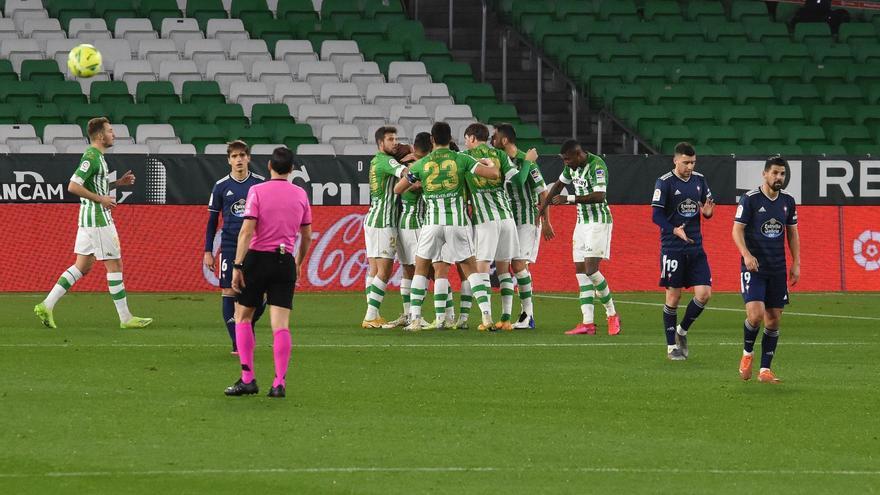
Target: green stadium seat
[(7, 73), (844, 94), (65, 10), (872, 94), (156, 93), (576, 10), (863, 74), (383, 53), (201, 135), (621, 53), (226, 116), (865, 150), (8, 114), (777, 74), (739, 116), (868, 116), (251, 134), (826, 149), (530, 10), (642, 33), (133, 115), (758, 95), (404, 32), (548, 149), (748, 53), (110, 93), (665, 137), (597, 76), (429, 51), (156, 10), (799, 94), (618, 10), (40, 115), (868, 54), (783, 116), (827, 116), (492, 113), (682, 32), (805, 135), (181, 116), (449, 72), (574, 55), (296, 10), (623, 94), (725, 32), (20, 92), (693, 116), (204, 10), (785, 11), (812, 31), (833, 54), (40, 71), (547, 29), (662, 53), (744, 11), (363, 30), (111, 10), (645, 74), (63, 93), (663, 11), (528, 136), (857, 33), (271, 114), (383, 10), (706, 53), (602, 32), (764, 30), (705, 12), (271, 31), (825, 75), (717, 135), (731, 74), (251, 12), (711, 94), (731, 148), (690, 74), (787, 52), (202, 92), (471, 93), (81, 113), (640, 116), (292, 135), (760, 135), (669, 95), (340, 11)]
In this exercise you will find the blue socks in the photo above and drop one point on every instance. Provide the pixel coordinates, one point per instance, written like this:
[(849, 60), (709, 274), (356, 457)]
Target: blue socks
[(670, 321), (229, 317), (749, 335), (768, 346), (691, 313)]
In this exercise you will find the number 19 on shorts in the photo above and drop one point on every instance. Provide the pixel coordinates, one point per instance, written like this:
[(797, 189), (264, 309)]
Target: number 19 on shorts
[(668, 266)]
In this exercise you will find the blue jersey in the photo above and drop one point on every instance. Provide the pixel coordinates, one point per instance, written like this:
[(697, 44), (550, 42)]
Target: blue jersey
[(765, 222), (228, 199), (680, 201)]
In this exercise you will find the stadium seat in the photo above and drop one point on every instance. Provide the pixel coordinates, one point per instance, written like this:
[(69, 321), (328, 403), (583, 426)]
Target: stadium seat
[(265, 148), (682, 32), (624, 94), (64, 10), (694, 116), (492, 113), (202, 92), (112, 51), (42, 30), (762, 136), (18, 50), (339, 52), (40, 71), (157, 10), (408, 74), (156, 93), (661, 94), (619, 10), (663, 11), (176, 149), (725, 32), (296, 10), (295, 51), (843, 94), (225, 31), (271, 31), (705, 12), (764, 30), (129, 149), (471, 93), (181, 116), (805, 135), (180, 31), (133, 114), (640, 115), (364, 116), (806, 32), (63, 135), (454, 114), (270, 73), (271, 114), (225, 72), (200, 135), (132, 72), (647, 74), (202, 51), (781, 74), (359, 150), (410, 116), (133, 31), (385, 95), (80, 113), (292, 135), (824, 76), (17, 135), (88, 30), (450, 72), (251, 134), (799, 94), (431, 96), (247, 94), (340, 135), (642, 33), (857, 33), (179, 72), (113, 10), (20, 92), (748, 53), (8, 113), (155, 135), (690, 73), (317, 74), (155, 51), (740, 11), (315, 149), (340, 95), (316, 32), (667, 136), (850, 136), (317, 116), (203, 10), (758, 95), (362, 74), (383, 53), (783, 116), (429, 51), (34, 149), (827, 116), (833, 54), (293, 95), (215, 149), (403, 32), (739, 115), (825, 149), (248, 51), (707, 53), (251, 12)]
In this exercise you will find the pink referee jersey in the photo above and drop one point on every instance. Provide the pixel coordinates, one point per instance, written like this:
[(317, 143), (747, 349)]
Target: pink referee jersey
[(280, 209)]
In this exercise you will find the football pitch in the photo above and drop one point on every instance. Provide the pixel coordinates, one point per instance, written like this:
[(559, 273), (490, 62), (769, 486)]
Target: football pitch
[(90, 408)]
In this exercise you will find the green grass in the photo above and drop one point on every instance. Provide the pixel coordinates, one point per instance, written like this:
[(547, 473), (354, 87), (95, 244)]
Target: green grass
[(90, 408)]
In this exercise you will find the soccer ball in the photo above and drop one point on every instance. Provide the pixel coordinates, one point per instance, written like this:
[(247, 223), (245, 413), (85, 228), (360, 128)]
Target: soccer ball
[(84, 61)]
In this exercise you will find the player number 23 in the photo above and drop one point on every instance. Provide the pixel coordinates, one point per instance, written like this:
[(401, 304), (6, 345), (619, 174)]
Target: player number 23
[(449, 182)]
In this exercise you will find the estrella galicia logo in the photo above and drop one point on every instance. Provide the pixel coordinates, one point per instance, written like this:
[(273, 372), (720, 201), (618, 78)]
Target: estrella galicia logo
[(237, 208), (772, 228), (688, 208)]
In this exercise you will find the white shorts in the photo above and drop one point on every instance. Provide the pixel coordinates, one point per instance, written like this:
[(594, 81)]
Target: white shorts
[(446, 243), (591, 240), (381, 242), (102, 242), (407, 243), (496, 240), (529, 241)]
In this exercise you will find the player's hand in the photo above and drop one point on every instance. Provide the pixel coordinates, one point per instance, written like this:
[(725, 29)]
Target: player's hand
[(794, 273), (127, 179), (547, 231), (209, 261), (532, 155), (752, 263), (237, 280), (708, 208), (417, 186), (558, 200), (108, 202), (681, 234), (409, 158)]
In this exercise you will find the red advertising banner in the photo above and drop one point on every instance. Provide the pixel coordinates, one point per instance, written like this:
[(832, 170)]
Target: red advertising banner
[(162, 249)]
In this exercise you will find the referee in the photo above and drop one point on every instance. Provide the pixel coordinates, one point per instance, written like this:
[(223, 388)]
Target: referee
[(275, 214)]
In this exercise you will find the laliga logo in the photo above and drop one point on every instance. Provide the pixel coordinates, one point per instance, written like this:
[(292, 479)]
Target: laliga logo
[(866, 250)]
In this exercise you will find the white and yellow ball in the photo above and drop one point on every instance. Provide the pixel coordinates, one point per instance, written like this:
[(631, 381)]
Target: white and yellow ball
[(84, 61)]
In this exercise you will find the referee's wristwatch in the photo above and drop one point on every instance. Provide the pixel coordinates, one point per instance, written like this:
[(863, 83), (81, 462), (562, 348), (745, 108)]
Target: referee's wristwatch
[(237, 266)]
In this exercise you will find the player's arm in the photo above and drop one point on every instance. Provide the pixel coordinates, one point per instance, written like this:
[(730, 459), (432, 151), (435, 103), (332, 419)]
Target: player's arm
[(305, 240), (739, 238), (78, 189), (407, 179), (794, 246), (215, 204), (546, 226), (548, 198), (486, 169), (244, 240), (593, 197), (127, 179)]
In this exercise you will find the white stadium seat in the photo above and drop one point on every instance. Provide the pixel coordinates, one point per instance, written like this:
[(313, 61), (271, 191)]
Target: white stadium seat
[(341, 135), (362, 74), (179, 72), (315, 149), (248, 94), (295, 51), (203, 51)]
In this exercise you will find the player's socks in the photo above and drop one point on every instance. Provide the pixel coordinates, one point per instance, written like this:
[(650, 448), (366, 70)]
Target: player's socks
[(368, 283), (750, 333), (377, 294), (586, 297), (480, 287), (419, 287), (506, 295), (405, 285), (441, 293), (467, 298), (670, 318), (244, 339), (117, 292), (694, 308), (603, 292), (64, 283), (524, 280), (229, 317), (281, 350), (450, 306), (768, 346)]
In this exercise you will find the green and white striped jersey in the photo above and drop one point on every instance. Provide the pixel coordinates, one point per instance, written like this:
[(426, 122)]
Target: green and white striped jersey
[(592, 177), (443, 173), (488, 196), (383, 171), (524, 196), (412, 210), (92, 174)]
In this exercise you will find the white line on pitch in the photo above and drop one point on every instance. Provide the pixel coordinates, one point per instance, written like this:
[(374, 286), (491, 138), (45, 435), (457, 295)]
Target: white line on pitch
[(736, 310), (449, 469)]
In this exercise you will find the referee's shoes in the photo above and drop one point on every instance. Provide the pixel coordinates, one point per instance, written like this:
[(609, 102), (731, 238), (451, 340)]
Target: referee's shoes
[(242, 388)]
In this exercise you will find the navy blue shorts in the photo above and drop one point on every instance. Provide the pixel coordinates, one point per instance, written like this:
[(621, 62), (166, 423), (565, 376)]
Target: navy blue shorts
[(769, 288), (225, 261), (680, 269)]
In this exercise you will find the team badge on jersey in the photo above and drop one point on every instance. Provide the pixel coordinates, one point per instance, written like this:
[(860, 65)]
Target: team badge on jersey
[(688, 208), (237, 208), (772, 228)]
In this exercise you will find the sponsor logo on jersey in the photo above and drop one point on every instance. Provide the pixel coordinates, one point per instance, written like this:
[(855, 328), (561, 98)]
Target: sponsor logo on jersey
[(688, 208), (237, 208), (771, 228)]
